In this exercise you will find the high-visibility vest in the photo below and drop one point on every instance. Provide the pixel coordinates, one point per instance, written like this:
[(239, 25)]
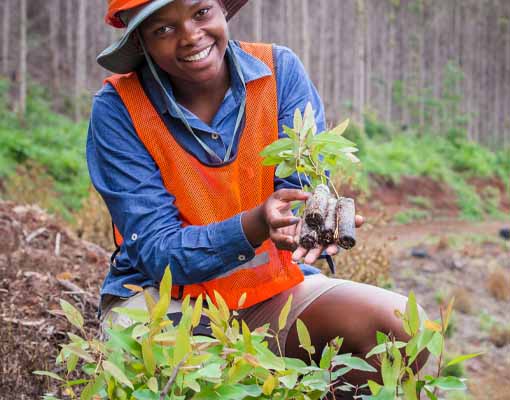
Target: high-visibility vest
[(204, 194)]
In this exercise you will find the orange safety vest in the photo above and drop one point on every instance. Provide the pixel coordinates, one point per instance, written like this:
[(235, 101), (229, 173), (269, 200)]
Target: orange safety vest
[(205, 195)]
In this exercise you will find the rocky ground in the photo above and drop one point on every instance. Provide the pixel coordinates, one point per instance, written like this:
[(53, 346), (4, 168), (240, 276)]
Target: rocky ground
[(41, 261)]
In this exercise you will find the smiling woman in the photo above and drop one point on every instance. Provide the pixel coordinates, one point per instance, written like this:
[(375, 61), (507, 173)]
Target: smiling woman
[(174, 149)]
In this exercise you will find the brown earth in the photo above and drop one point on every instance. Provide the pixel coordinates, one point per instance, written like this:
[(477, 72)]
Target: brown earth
[(42, 261)]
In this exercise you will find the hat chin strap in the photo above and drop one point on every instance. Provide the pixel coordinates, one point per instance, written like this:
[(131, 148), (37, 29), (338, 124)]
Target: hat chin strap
[(181, 116)]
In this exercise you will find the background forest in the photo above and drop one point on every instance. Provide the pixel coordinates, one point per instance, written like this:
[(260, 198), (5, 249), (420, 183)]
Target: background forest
[(426, 84)]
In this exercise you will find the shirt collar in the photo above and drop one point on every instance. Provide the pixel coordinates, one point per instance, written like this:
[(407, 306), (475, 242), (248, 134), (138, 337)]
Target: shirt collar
[(251, 67)]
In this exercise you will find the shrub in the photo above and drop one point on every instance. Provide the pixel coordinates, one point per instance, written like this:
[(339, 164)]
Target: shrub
[(155, 359)]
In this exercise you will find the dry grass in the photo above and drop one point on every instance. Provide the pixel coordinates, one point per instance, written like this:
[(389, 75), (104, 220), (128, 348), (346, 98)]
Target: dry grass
[(500, 335), (93, 221), (463, 301), (498, 284)]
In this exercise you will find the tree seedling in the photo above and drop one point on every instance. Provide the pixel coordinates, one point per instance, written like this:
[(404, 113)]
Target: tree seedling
[(327, 217)]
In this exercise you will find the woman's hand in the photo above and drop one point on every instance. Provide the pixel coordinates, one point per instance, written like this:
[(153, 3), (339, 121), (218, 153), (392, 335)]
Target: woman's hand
[(313, 254), (273, 219)]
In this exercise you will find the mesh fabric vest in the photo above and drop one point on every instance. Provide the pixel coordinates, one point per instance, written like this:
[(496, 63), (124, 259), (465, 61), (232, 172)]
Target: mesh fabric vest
[(206, 194)]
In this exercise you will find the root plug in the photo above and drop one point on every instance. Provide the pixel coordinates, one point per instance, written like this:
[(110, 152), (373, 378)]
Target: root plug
[(316, 207), (327, 232), (346, 227), (308, 238)]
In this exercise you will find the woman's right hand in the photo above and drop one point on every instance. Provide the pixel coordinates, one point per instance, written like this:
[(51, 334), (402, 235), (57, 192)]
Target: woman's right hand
[(268, 219)]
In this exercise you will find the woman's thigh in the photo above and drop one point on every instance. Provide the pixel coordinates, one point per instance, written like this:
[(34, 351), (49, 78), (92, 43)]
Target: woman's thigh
[(352, 311)]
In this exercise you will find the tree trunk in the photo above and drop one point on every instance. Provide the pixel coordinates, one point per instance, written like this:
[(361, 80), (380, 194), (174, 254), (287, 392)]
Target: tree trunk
[(80, 66), (22, 97), (54, 20), (6, 38), (306, 34), (359, 101), (257, 20)]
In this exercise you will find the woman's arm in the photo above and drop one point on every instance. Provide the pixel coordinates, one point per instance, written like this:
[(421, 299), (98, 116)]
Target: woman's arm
[(130, 183)]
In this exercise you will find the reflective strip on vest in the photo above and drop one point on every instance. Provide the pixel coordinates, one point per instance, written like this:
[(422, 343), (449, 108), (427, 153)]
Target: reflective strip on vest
[(205, 195)]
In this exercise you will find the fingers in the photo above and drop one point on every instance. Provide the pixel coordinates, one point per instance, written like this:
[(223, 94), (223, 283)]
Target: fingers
[(299, 253), (283, 240), (313, 255), (276, 222), (291, 194), (359, 220)]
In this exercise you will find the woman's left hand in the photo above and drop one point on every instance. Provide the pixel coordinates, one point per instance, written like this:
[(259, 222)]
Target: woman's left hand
[(310, 256)]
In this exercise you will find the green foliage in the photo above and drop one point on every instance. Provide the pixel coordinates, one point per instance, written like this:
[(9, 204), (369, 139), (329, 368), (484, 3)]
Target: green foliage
[(52, 142), (309, 154), (154, 359), (411, 215)]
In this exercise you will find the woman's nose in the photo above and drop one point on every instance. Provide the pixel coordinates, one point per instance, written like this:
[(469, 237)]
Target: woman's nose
[(191, 34)]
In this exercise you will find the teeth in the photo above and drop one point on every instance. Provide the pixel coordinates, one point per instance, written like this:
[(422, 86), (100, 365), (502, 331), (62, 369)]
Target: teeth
[(200, 56)]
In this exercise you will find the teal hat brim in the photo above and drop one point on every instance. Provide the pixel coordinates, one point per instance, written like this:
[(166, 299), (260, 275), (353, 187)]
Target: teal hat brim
[(124, 55)]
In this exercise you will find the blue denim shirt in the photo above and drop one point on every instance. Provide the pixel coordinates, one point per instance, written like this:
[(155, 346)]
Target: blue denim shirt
[(130, 182)]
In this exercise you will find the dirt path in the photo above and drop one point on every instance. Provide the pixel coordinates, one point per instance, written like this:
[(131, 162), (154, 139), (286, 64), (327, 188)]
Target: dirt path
[(401, 237)]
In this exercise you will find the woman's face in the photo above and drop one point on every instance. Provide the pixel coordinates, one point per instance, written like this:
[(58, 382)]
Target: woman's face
[(188, 39)]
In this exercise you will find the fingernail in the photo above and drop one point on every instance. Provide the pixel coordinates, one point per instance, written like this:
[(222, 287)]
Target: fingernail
[(294, 220)]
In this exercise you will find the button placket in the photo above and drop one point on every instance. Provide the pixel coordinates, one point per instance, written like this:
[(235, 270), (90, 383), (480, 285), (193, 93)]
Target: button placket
[(241, 257)]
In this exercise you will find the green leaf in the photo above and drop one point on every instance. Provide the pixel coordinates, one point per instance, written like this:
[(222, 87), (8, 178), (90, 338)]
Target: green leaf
[(93, 387), (285, 169), (122, 339), (197, 312), (374, 387), (332, 139), (269, 385), (275, 148), (284, 314), (353, 363), (291, 133), (463, 358), (413, 317), (381, 348), (340, 129), (409, 386), (289, 380), (248, 346), (430, 394), (182, 344), (211, 371), (298, 120), (239, 371), (48, 374), (148, 356), (135, 314), (268, 359), (435, 346), (79, 352), (448, 383), (72, 314), (381, 338), (152, 384), (326, 357), (71, 363), (304, 337), (165, 286), (145, 394), (117, 374)]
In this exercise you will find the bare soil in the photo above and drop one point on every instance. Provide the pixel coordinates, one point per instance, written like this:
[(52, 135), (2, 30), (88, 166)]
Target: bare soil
[(42, 261)]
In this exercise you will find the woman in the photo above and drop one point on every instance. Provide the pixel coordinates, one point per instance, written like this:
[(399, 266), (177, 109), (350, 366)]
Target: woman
[(173, 150)]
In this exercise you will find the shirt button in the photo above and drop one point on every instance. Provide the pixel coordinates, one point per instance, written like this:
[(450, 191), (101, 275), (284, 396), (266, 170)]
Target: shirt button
[(215, 136), (241, 257), (134, 236)]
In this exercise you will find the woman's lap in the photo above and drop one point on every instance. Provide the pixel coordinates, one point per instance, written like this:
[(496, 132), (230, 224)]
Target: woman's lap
[(329, 307)]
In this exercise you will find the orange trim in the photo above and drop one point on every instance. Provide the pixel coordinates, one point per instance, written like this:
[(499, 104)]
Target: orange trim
[(116, 6)]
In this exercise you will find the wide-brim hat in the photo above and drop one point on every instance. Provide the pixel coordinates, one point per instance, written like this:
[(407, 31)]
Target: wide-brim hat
[(124, 55)]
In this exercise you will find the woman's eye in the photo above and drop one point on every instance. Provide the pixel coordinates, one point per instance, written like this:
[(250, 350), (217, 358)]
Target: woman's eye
[(163, 30), (202, 12)]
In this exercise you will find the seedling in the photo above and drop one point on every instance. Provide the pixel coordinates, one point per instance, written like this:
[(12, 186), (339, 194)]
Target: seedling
[(327, 217)]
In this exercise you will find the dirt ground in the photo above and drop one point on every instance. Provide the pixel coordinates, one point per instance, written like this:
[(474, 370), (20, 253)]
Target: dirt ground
[(42, 261)]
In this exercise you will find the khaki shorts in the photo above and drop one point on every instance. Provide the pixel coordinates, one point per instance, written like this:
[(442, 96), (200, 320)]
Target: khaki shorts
[(255, 316)]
